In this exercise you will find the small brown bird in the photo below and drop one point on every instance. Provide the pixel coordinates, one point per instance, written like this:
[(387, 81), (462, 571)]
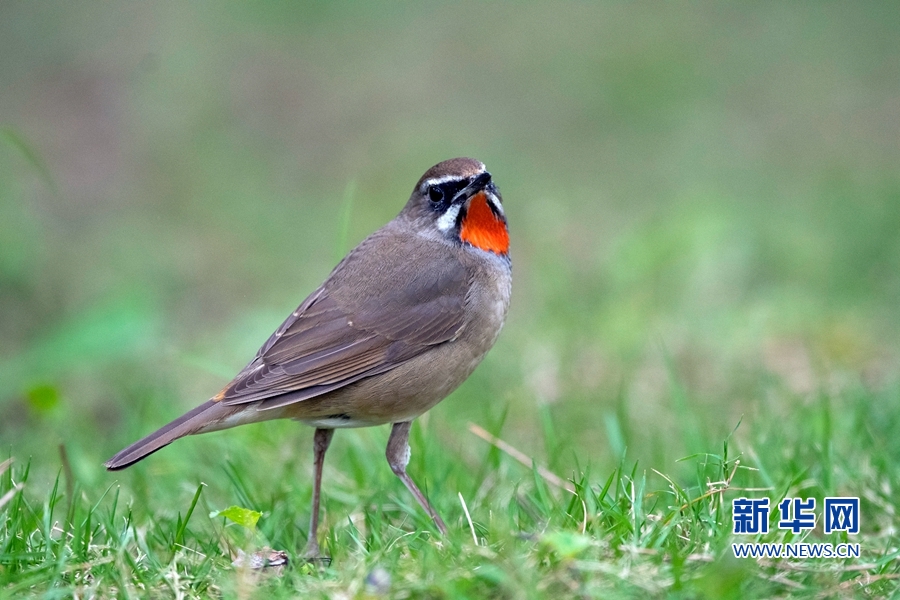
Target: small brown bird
[(401, 321)]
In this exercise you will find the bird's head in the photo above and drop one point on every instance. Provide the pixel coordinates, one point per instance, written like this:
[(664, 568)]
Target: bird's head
[(457, 200)]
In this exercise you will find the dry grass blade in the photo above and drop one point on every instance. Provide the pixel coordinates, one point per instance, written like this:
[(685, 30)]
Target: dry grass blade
[(4, 466), (468, 517), (9, 495), (867, 580), (788, 566), (548, 476)]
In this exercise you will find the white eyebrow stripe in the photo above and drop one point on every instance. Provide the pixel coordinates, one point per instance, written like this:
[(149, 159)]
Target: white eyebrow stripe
[(446, 178), (447, 220), (439, 180)]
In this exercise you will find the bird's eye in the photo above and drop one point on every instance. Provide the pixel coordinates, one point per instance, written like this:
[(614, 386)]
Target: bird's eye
[(435, 194)]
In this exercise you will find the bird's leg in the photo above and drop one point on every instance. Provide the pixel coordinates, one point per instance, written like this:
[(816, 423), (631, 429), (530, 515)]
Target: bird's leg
[(398, 457), (320, 444)]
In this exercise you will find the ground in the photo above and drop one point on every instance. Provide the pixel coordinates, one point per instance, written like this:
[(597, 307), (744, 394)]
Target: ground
[(704, 207)]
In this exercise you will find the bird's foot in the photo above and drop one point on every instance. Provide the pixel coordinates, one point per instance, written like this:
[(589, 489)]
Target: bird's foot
[(313, 555)]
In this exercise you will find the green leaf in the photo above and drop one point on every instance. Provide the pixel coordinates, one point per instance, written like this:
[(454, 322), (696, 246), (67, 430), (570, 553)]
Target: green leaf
[(43, 397), (240, 515), (566, 544)]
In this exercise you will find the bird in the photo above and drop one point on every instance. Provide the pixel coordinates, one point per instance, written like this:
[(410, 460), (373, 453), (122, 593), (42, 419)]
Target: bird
[(400, 323)]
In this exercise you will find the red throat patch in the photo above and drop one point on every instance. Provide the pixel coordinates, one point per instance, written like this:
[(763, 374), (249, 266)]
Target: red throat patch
[(482, 228)]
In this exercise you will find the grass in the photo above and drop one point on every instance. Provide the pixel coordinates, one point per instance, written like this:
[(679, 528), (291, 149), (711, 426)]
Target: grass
[(632, 531), (704, 203)]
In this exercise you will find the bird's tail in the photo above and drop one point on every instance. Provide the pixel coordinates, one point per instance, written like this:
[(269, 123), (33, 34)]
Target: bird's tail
[(192, 422)]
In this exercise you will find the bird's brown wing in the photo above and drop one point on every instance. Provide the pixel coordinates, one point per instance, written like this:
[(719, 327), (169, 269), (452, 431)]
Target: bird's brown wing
[(377, 310)]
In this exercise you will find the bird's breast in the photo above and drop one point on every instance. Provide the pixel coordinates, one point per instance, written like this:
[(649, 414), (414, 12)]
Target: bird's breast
[(487, 301)]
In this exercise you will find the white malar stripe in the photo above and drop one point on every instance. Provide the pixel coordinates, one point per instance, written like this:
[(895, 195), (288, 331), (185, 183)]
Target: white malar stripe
[(495, 202), (447, 220)]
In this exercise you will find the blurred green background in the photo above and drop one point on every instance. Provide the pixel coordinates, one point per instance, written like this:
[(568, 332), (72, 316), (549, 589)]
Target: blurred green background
[(704, 201)]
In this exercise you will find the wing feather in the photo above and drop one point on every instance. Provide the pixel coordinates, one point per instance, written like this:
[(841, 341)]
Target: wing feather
[(371, 315)]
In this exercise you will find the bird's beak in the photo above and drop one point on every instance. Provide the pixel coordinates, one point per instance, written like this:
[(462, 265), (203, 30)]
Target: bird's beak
[(476, 185)]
